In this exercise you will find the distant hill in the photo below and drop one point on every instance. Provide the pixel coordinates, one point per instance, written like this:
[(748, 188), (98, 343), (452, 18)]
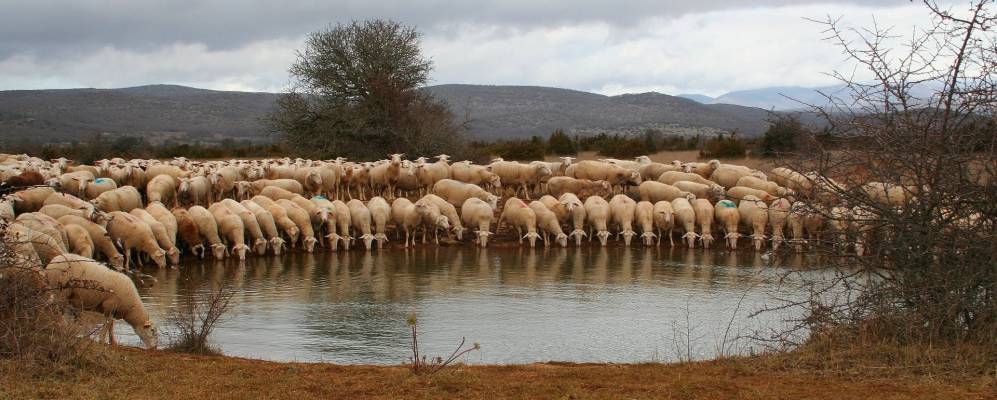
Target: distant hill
[(523, 111), (777, 98), (48, 115), (185, 114), (699, 98)]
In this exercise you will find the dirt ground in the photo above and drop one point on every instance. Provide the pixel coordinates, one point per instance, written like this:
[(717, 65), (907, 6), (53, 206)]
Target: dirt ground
[(141, 374)]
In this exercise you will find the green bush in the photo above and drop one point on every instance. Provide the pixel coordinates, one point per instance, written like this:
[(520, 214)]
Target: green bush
[(725, 147), (560, 144), (783, 136)]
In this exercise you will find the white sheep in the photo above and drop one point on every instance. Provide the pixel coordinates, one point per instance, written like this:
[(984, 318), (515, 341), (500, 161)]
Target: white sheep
[(726, 213), (208, 229), (380, 212), (644, 213), (267, 224), (107, 292), (521, 217), (597, 216), (476, 214), (622, 209), (754, 215), (664, 218), (405, 216), (161, 235), (685, 216), (162, 188), (576, 209), (100, 238), (194, 191), (548, 224), (778, 214), (656, 191), (431, 216), (361, 219), (250, 223), (302, 220), (131, 233), (704, 218), (455, 192)]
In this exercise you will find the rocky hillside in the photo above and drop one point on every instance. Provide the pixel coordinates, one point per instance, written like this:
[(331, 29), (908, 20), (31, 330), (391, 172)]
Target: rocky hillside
[(190, 114)]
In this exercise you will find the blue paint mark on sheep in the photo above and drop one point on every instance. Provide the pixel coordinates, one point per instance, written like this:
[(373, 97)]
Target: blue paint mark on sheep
[(726, 203), (319, 198), (100, 180)]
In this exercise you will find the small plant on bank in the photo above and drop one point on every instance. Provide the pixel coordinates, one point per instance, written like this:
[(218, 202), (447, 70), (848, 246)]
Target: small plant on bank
[(419, 362), (195, 317)]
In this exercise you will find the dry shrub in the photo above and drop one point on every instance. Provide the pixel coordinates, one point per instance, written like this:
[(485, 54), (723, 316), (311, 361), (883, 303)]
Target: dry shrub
[(927, 277), (195, 317), (34, 333)]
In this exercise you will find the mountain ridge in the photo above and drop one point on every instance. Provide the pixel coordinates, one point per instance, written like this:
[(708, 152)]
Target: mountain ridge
[(188, 114)]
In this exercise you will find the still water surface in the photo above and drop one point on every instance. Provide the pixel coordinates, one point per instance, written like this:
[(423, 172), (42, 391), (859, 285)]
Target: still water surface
[(589, 304)]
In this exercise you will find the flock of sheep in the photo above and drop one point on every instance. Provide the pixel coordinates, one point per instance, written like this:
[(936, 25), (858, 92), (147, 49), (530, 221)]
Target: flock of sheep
[(119, 210)]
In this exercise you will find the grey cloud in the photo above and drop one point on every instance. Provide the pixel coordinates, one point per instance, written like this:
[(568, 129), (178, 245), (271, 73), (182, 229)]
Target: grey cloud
[(58, 28)]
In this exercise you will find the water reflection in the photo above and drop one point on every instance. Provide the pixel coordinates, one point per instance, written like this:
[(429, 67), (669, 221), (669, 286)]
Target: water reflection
[(573, 304)]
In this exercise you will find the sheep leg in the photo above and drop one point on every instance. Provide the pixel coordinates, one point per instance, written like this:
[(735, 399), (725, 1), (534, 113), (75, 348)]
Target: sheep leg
[(110, 332), (671, 243), (406, 238)]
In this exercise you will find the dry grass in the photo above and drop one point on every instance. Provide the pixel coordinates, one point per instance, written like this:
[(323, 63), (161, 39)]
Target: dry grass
[(155, 374)]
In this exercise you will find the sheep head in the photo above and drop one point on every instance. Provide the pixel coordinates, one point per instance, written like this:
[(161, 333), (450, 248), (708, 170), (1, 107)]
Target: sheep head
[(174, 254), (648, 238), (494, 180), (368, 240), (159, 257), (603, 237), (483, 237), (118, 261), (148, 333), (561, 239), (532, 237), (333, 241), (627, 236), (707, 240), (381, 239), (578, 234), (309, 243), (260, 246), (218, 250), (759, 240), (293, 232), (442, 222), (240, 250), (690, 237), (459, 231)]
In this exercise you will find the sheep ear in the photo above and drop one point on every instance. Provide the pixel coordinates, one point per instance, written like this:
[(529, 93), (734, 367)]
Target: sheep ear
[(147, 324)]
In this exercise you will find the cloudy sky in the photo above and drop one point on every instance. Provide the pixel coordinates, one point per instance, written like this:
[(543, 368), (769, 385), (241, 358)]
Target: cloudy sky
[(611, 47)]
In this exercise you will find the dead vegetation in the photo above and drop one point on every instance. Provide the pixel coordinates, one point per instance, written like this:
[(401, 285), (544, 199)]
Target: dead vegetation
[(194, 318), (34, 332)]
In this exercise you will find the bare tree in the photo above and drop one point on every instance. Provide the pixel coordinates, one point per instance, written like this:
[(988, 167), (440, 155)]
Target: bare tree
[(907, 186)]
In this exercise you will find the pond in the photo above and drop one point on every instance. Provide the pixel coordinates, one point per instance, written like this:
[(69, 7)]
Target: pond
[(588, 304)]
